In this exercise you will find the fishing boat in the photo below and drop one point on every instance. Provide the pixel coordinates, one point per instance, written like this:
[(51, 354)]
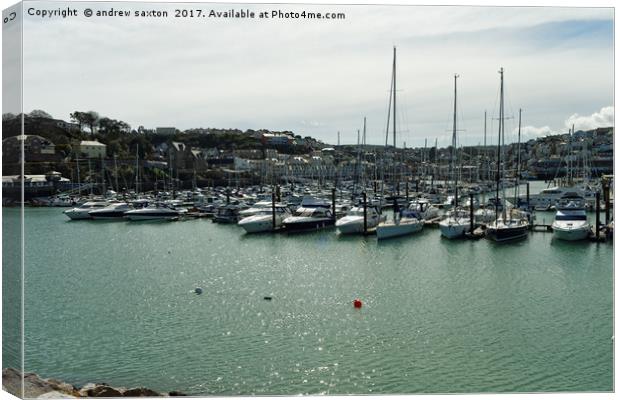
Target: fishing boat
[(510, 225)]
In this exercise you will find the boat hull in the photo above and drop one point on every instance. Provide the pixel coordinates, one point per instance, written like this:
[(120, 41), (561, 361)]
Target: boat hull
[(453, 230), (505, 234), (111, 215), (150, 217), (571, 233), (353, 226), (78, 214), (390, 230), (300, 226), (264, 224)]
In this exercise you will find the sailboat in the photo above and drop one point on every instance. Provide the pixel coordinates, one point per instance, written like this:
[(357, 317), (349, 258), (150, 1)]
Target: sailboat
[(402, 224), (457, 221), (510, 225)]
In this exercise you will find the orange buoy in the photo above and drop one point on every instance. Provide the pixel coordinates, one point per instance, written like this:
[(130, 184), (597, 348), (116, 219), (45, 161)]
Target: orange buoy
[(357, 303)]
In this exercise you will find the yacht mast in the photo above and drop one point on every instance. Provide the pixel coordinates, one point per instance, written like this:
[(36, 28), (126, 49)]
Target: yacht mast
[(77, 163), (394, 100), (453, 158), (518, 176), (499, 142), (137, 171)]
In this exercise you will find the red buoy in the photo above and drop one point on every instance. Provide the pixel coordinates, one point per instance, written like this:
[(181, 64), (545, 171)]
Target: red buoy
[(357, 303)]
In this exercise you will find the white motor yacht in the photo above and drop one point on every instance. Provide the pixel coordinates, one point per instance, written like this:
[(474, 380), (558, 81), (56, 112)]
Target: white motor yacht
[(312, 214), (353, 222), (425, 208), (154, 212), (82, 211), (263, 220), (571, 221), (112, 211)]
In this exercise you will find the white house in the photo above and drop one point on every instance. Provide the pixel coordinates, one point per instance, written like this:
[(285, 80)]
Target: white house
[(92, 149)]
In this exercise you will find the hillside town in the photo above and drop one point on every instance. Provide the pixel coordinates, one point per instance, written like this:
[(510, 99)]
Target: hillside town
[(101, 153)]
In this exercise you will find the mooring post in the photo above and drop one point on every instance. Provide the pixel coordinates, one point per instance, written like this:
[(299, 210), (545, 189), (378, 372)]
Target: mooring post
[(334, 204), (278, 194), (273, 210), (606, 196), (456, 197), (227, 195), (527, 194), (471, 212), (374, 183), (365, 213), (407, 191), (598, 214), (417, 184)]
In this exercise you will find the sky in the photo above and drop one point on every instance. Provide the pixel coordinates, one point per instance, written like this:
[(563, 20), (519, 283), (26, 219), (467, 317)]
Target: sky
[(319, 77)]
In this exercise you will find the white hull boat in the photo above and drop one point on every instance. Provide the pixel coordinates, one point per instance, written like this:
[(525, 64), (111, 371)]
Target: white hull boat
[(404, 226), (263, 220), (452, 228), (353, 222)]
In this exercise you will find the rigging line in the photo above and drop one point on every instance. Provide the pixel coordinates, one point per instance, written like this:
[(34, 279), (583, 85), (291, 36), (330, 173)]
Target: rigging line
[(389, 111)]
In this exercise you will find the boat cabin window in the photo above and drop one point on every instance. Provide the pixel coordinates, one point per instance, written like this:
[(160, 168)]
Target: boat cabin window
[(571, 218)]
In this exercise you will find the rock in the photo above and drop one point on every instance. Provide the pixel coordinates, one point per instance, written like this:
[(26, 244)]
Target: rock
[(100, 391), (56, 395), (34, 386), (62, 386), (140, 392), (175, 393)]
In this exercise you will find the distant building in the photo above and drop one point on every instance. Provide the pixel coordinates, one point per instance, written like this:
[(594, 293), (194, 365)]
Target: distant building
[(276, 139), (166, 131), (36, 149), (92, 149)]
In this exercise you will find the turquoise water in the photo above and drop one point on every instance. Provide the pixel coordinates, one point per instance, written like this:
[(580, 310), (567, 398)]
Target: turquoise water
[(112, 302)]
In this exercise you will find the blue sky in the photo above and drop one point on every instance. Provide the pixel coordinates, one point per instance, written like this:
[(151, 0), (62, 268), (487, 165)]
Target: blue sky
[(317, 78)]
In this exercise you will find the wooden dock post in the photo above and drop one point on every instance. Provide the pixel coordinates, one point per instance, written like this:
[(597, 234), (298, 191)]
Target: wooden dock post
[(278, 194), (527, 194), (598, 216), (273, 210), (407, 191), (471, 212), (334, 204), (606, 197)]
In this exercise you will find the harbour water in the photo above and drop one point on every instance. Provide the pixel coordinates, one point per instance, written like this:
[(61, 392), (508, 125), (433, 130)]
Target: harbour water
[(113, 302)]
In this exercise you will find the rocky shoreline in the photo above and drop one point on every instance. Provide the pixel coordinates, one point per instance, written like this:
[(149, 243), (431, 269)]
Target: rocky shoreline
[(37, 387)]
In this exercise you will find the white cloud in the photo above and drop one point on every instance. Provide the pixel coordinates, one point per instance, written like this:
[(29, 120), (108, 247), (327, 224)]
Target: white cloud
[(603, 118), (533, 132)]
